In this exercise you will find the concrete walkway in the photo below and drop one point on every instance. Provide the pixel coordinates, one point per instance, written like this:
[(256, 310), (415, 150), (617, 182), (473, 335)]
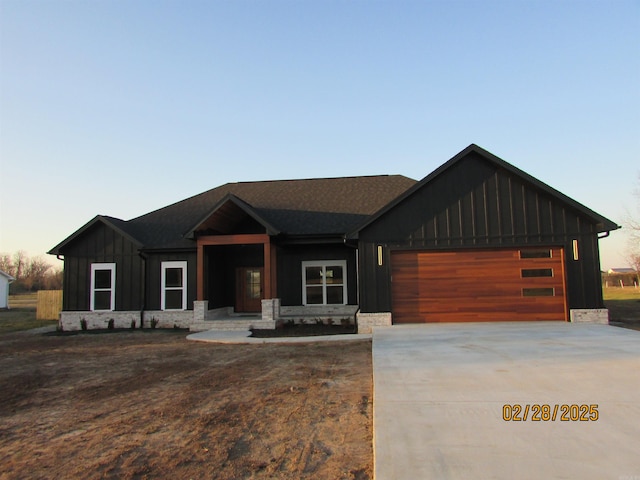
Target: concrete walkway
[(220, 336), (439, 392)]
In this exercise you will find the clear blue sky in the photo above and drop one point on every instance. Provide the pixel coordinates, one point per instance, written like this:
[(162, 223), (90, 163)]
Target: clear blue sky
[(121, 107)]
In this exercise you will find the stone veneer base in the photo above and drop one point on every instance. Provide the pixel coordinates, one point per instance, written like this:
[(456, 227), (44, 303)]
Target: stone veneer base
[(366, 321), (590, 315), (72, 321)]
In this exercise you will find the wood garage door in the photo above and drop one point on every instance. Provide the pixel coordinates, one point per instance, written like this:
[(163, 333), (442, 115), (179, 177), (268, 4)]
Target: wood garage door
[(478, 285)]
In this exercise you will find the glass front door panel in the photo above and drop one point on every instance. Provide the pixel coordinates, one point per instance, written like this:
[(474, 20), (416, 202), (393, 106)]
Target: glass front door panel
[(253, 284)]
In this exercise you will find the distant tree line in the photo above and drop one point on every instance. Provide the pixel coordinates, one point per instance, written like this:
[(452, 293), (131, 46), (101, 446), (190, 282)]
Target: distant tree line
[(31, 273)]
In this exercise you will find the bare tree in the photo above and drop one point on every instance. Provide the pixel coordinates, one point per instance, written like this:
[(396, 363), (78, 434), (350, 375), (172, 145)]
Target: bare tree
[(34, 274), (53, 279), (30, 273), (6, 264), (20, 260)]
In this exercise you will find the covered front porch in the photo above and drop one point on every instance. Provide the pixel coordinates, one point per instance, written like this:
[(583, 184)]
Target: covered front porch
[(238, 257), (236, 271), (235, 274), (237, 287)]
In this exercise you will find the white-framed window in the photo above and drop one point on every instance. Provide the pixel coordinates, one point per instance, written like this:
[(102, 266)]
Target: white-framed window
[(103, 287), (324, 282), (174, 286)]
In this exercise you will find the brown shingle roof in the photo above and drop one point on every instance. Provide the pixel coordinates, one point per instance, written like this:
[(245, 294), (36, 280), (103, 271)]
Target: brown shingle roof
[(323, 206)]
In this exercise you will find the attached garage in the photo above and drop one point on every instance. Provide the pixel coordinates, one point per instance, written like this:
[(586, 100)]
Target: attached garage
[(503, 284), (480, 240)]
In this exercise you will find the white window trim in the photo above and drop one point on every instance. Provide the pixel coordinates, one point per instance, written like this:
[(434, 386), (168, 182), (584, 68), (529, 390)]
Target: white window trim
[(163, 287), (324, 264), (103, 266)]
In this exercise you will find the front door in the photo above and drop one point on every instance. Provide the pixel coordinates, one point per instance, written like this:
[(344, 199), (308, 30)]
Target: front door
[(249, 287)]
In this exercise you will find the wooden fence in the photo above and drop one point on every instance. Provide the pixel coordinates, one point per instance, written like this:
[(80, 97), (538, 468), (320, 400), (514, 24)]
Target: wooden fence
[(49, 304)]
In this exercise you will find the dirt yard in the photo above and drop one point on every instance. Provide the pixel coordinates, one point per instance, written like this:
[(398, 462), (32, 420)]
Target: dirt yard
[(150, 404)]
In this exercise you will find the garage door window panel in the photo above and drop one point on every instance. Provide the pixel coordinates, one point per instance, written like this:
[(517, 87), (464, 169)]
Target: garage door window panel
[(536, 253), (536, 272), (538, 292)]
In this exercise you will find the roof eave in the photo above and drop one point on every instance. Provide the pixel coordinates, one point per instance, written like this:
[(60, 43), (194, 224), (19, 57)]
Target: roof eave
[(313, 238), (7, 276)]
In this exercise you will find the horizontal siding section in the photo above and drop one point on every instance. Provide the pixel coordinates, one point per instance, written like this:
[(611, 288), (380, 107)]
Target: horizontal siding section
[(477, 285)]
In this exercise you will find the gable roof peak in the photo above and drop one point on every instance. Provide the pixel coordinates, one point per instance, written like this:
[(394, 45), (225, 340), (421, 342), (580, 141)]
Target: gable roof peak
[(120, 226), (241, 206), (604, 224)]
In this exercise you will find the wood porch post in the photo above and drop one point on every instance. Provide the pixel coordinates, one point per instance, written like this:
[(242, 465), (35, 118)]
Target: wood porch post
[(267, 269), (200, 272), (274, 272)]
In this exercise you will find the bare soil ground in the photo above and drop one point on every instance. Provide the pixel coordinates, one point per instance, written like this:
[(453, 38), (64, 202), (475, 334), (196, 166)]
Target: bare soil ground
[(150, 404)]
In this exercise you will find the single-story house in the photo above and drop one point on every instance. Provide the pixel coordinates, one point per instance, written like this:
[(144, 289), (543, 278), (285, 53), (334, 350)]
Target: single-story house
[(475, 240), (620, 277), (5, 280), (622, 271)]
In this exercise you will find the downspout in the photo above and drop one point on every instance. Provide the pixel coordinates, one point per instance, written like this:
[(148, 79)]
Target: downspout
[(63, 289), (143, 306), (355, 315)]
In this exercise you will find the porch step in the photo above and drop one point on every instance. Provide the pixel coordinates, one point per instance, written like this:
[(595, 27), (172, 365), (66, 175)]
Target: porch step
[(232, 324)]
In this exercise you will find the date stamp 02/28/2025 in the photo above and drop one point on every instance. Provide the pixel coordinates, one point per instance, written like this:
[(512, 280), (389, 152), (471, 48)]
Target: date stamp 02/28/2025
[(550, 413)]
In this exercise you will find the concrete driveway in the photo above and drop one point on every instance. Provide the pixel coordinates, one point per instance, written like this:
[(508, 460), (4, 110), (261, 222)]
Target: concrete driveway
[(440, 391)]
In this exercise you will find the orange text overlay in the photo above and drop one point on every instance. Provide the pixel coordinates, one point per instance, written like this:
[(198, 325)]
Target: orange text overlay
[(550, 413)]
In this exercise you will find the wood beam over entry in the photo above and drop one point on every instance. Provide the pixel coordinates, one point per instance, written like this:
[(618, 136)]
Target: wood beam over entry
[(240, 239)]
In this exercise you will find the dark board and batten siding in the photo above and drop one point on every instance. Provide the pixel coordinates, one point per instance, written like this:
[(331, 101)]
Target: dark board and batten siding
[(475, 203), (101, 244)]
